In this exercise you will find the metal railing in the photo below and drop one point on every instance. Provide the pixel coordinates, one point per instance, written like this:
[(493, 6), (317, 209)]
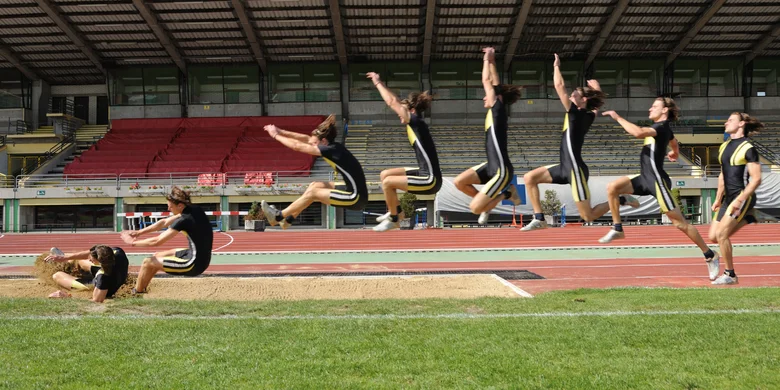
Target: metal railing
[(23, 127), (766, 152), (49, 155)]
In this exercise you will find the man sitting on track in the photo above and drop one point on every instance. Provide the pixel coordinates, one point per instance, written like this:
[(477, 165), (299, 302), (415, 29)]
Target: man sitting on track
[(191, 261), (351, 194), (107, 265), (736, 187)]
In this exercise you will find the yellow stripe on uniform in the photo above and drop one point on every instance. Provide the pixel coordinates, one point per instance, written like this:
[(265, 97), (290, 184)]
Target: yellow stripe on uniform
[(659, 195), (738, 158), (174, 259), (412, 187)]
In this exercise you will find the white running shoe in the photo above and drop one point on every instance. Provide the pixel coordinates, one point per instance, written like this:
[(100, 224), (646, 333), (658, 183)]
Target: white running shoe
[(713, 265), (483, 218), (513, 195), (383, 217), (535, 224), (612, 235), (725, 279), (631, 201), (56, 251), (270, 213), (386, 225)]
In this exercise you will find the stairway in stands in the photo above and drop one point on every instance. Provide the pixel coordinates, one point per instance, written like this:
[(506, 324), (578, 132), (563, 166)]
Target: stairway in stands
[(86, 136)]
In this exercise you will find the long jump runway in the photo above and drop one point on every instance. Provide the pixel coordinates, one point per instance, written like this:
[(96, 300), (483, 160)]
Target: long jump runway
[(563, 258)]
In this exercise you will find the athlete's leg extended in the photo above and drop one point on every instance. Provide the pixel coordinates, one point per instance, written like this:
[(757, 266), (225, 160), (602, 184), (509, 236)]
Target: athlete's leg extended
[(317, 191), (69, 281), (614, 190), (680, 223)]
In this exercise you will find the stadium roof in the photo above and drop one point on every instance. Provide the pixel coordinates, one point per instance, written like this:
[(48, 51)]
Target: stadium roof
[(74, 41)]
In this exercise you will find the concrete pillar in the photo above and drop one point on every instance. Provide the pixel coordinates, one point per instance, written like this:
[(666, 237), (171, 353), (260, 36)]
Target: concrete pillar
[(119, 206), (224, 205), (41, 92), (92, 110)]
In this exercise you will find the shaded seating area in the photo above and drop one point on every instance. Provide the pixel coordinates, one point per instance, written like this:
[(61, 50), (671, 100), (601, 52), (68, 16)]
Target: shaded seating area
[(192, 146)]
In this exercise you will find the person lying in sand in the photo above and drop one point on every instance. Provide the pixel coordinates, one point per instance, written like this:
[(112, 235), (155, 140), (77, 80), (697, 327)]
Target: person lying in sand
[(107, 266)]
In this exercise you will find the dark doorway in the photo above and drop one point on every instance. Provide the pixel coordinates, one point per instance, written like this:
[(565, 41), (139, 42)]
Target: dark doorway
[(81, 107), (57, 104), (102, 110)]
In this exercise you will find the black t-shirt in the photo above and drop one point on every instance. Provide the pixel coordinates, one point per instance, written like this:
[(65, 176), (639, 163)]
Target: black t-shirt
[(575, 126), (343, 162), (195, 225), (734, 156), (654, 149), (422, 142), (117, 277)]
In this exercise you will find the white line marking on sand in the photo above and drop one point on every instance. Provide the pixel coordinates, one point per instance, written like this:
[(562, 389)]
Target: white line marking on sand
[(514, 288)]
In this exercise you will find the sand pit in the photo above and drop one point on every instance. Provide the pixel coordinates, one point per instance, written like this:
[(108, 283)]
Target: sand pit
[(300, 288)]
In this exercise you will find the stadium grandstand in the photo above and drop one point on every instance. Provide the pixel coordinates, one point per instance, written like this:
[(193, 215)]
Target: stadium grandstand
[(104, 105)]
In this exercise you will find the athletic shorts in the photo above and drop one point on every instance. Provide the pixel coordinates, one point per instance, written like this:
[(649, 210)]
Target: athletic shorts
[(348, 198), (745, 213), (575, 174), (182, 263), (648, 184), (495, 180), (422, 182)]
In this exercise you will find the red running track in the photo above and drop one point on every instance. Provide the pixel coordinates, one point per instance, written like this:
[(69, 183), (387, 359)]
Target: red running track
[(566, 274), (398, 240)]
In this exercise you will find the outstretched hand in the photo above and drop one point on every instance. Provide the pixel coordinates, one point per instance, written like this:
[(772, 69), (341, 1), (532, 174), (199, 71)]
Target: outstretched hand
[(490, 54), (127, 237), (672, 155), (614, 115), (594, 84), (374, 77), (272, 130), (54, 259), (557, 61)]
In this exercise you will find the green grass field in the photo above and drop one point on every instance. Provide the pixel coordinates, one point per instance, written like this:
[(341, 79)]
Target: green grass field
[(624, 338)]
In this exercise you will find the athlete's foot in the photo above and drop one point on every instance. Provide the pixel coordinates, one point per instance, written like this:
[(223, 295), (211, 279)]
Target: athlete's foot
[(135, 292), (284, 224), (383, 217), (631, 201), (726, 279), (612, 235), (513, 195), (270, 213), (535, 224), (483, 218), (386, 225), (713, 266), (56, 251)]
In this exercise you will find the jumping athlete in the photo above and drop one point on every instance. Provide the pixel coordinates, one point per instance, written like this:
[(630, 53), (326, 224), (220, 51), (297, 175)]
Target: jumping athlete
[(740, 175), (107, 267), (652, 179), (425, 179), (351, 194), (496, 174), (191, 261), (581, 108)]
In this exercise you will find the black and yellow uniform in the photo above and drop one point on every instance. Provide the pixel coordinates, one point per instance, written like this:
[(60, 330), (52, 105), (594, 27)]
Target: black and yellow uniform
[(353, 193), (497, 172), (653, 180), (572, 169), (734, 156), (112, 280), (425, 179), (192, 261)]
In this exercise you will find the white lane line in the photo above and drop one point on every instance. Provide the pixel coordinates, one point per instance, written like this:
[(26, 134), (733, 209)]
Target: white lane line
[(514, 288), (231, 241)]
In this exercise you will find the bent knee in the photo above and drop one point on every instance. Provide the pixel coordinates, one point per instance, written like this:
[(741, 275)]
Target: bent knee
[(612, 189)]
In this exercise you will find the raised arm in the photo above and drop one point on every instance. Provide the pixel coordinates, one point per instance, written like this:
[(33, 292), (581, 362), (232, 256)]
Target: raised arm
[(487, 79), (292, 134), (83, 255), (157, 226), (560, 85), (291, 143), (154, 241), (636, 131), (389, 97)]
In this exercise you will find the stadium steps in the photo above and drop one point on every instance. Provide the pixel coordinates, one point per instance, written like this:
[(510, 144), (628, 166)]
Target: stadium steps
[(44, 130), (86, 136)]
